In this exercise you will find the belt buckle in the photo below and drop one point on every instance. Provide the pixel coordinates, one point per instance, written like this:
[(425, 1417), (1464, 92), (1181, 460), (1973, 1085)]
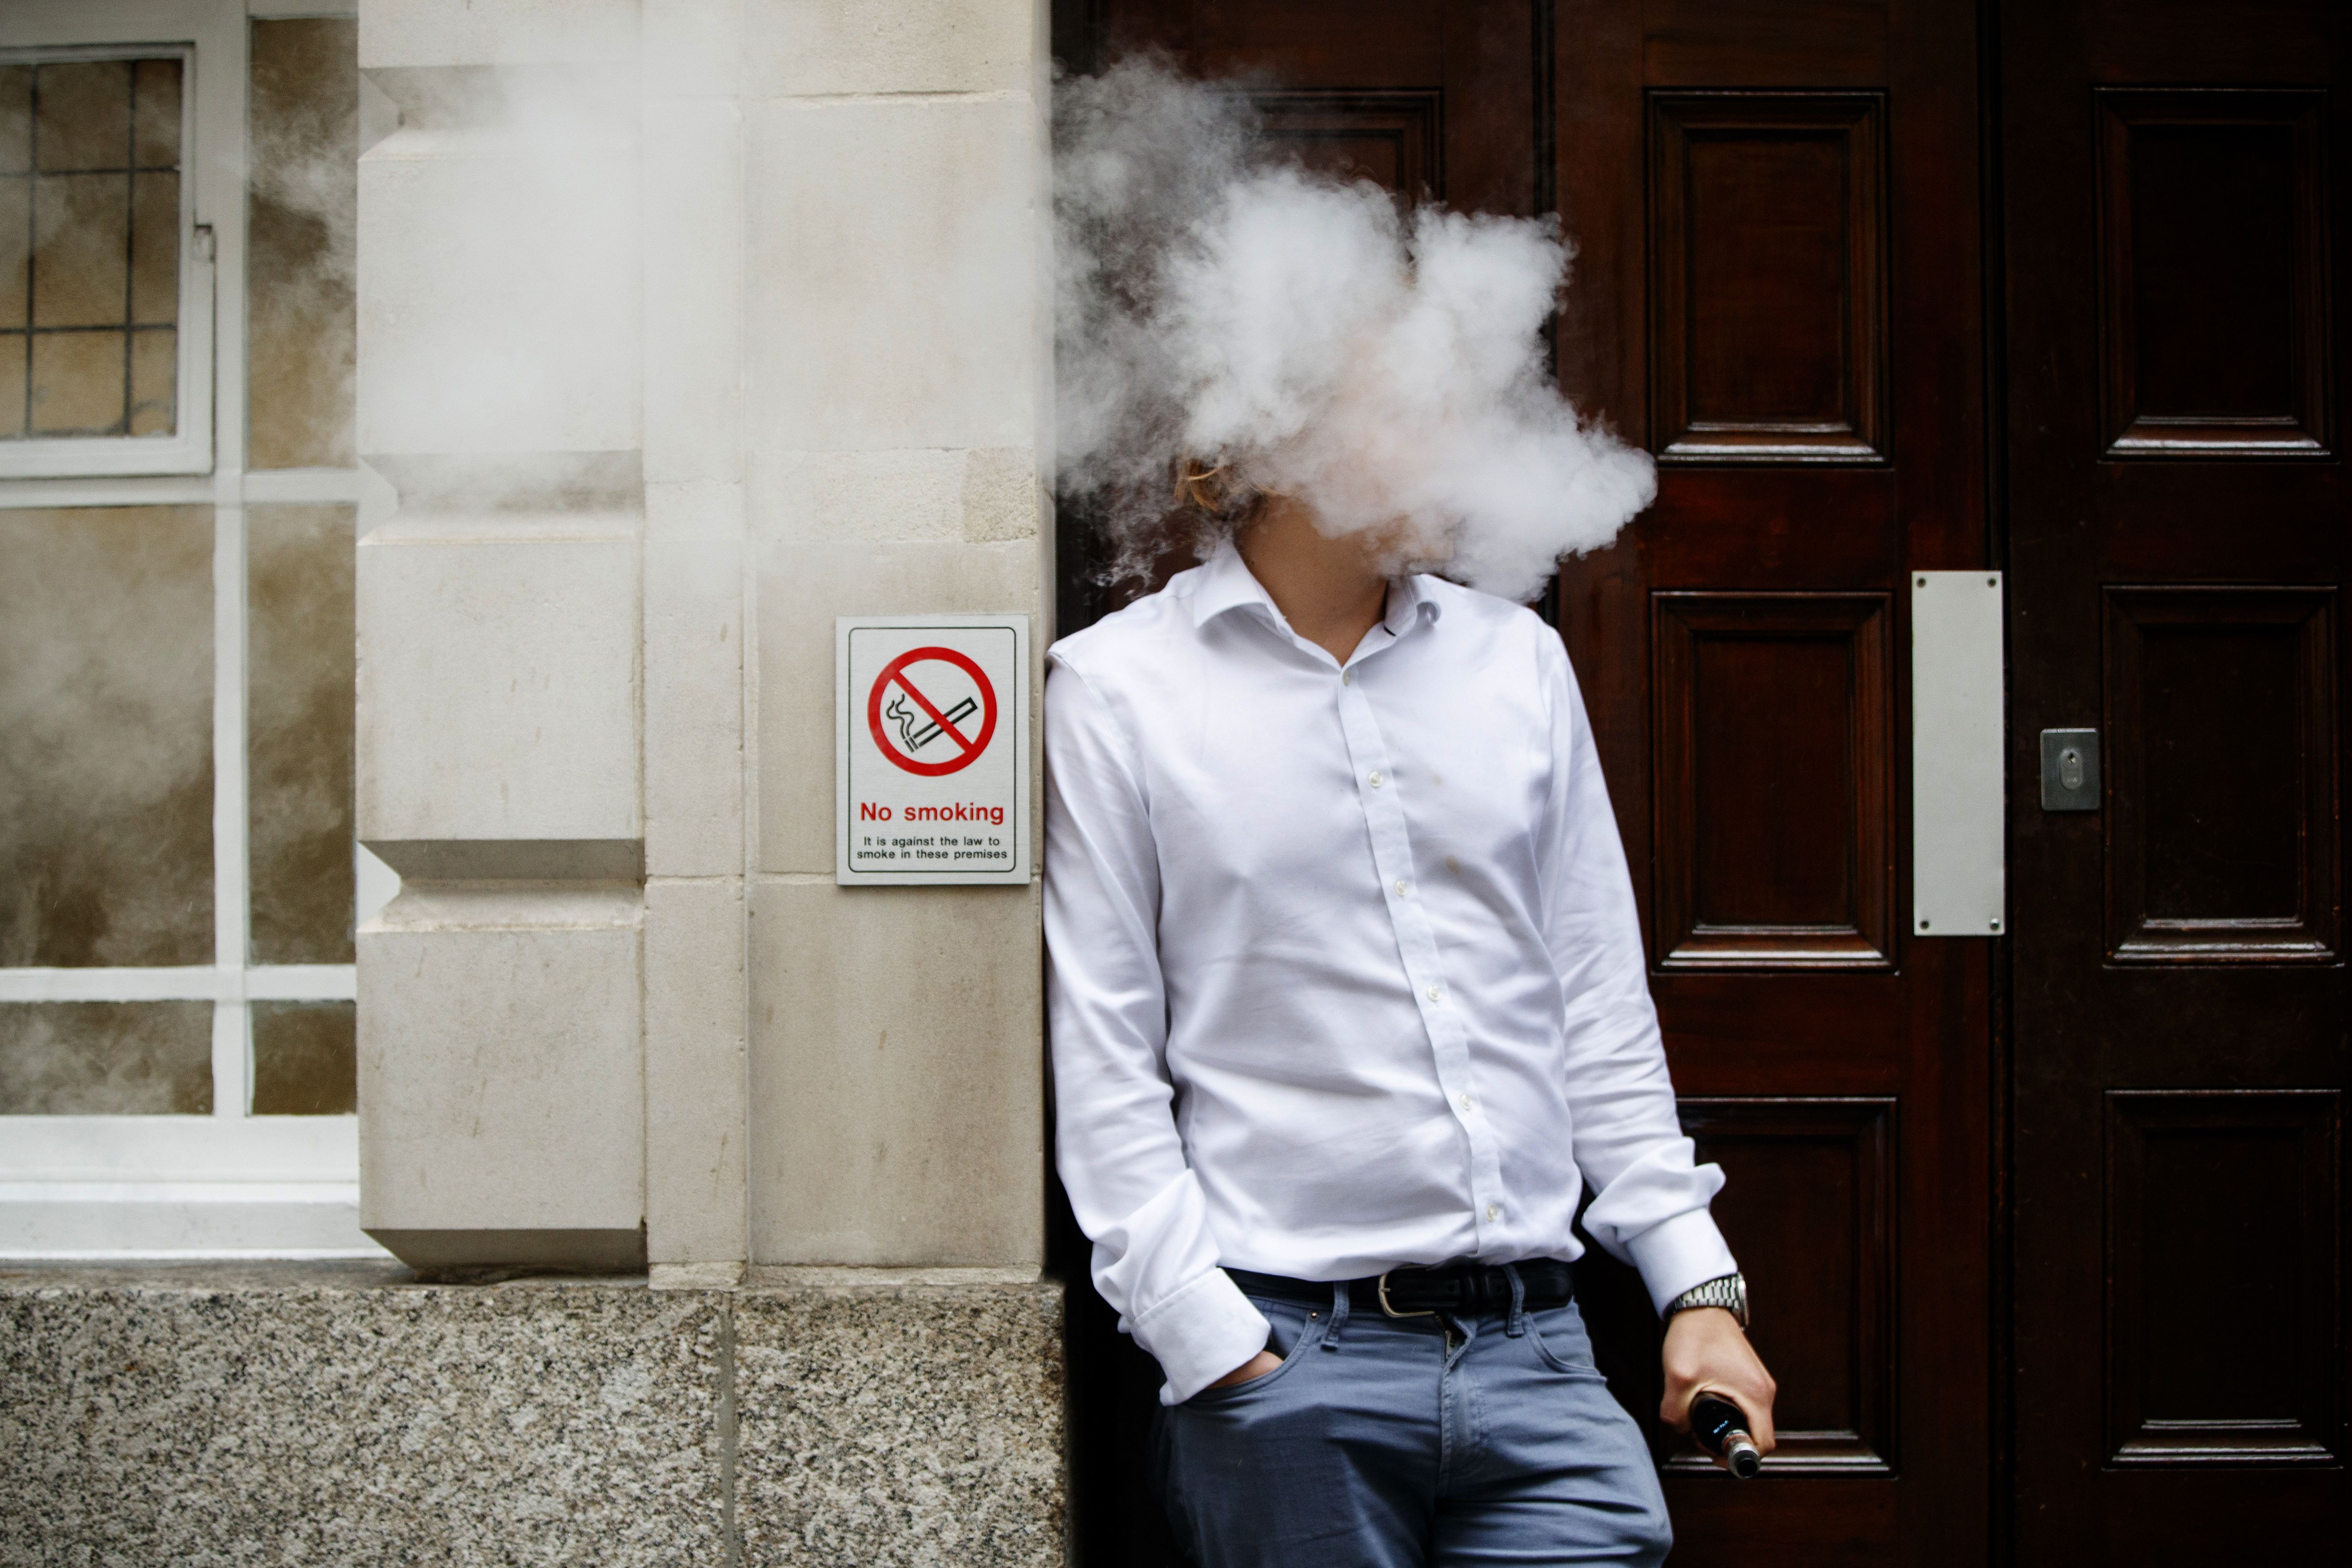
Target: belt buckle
[(1389, 1310)]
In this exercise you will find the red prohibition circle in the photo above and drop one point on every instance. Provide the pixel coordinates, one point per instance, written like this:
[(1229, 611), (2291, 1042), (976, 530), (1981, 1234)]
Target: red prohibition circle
[(970, 749)]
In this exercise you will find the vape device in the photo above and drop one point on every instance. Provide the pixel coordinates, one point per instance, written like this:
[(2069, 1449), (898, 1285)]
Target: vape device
[(1721, 1429)]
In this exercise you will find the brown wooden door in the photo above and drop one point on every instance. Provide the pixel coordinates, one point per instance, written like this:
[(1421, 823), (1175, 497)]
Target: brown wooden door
[(1778, 292), (2177, 547)]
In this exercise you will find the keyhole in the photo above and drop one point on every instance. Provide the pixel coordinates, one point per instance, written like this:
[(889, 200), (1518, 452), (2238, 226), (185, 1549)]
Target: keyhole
[(2070, 768)]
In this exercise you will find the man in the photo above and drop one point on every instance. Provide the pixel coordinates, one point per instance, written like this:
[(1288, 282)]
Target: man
[(1347, 989)]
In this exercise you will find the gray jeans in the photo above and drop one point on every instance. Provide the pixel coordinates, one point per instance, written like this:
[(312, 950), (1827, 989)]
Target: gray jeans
[(1386, 1443)]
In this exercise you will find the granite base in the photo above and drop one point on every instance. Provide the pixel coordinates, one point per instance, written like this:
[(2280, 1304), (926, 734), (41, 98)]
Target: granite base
[(350, 1414)]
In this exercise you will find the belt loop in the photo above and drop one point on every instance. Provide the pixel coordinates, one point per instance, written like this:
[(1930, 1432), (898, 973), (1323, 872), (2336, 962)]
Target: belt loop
[(1338, 1315), (1517, 1322)]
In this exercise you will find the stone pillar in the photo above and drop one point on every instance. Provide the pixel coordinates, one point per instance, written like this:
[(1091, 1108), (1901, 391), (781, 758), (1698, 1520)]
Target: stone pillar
[(898, 302), (696, 1131), (502, 994)]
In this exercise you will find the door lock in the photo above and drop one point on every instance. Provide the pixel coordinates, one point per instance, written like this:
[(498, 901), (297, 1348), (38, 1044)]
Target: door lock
[(2069, 770)]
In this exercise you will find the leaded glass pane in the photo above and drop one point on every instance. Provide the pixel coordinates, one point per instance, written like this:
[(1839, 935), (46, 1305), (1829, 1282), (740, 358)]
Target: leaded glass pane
[(106, 707), (305, 1059), (299, 239), (106, 1059), (90, 243), (299, 678)]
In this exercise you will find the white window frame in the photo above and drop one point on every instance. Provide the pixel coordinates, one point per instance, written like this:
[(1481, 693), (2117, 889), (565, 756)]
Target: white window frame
[(228, 1184), (210, 193)]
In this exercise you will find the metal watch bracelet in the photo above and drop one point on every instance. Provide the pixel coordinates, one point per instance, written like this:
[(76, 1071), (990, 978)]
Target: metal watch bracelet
[(1729, 1291)]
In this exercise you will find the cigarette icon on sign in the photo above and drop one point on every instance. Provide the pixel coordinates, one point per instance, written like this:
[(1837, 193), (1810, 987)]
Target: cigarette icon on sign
[(899, 729), (915, 740)]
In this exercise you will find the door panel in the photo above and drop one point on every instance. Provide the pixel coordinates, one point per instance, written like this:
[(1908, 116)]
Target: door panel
[(2220, 713), (1772, 780), (2213, 349), (2242, 1369), (1810, 1193), (1767, 220), (2176, 552)]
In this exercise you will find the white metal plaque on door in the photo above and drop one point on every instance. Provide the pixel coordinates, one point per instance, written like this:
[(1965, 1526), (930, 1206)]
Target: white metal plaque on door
[(1959, 874)]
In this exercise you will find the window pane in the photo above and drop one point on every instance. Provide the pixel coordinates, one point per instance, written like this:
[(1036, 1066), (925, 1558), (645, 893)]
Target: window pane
[(84, 116), (305, 1059), (156, 248), (299, 694), (90, 243), (81, 249), (154, 380), (106, 1059), (79, 387), (106, 754), (12, 383), (305, 129), (16, 251), (155, 136), (16, 119)]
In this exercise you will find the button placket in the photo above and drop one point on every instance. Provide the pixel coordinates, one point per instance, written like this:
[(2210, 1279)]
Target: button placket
[(1391, 845)]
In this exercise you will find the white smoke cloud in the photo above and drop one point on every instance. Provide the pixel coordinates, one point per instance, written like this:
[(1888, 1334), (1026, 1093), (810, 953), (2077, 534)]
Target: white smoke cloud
[(1219, 306)]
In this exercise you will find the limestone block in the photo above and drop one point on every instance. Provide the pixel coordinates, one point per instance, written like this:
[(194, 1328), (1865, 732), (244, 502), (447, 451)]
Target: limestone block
[(898, 496), (889, 1422), (502, 1075), (498, 269), (899, 290), (797, 47), (697, 1115), (496, 32), (344, 1415), (693, 289), (1004, 496), (693, 48), (694, 680), (896, 1075), (801, 586), (497, 688)]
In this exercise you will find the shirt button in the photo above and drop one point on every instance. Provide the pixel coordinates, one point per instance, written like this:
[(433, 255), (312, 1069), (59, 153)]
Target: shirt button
[(1434, 992), (1494, 1211), (1376, 778), (1467, 1103), (1401, 885), (1346, 678)]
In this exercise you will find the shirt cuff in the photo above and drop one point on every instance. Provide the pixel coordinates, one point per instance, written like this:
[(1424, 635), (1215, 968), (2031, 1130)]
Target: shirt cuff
[(1675, 1254), (1201, 1334)]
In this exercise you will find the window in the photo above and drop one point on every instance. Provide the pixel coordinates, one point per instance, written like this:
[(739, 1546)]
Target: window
[(178, 880), (103, 269)]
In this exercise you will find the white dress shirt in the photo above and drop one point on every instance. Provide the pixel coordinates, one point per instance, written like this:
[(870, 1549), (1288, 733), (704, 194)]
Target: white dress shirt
[(1345, 969)]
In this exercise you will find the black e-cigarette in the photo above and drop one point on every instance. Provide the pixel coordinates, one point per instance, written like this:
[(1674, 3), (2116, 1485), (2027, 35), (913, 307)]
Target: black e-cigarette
[(1721, 1429)]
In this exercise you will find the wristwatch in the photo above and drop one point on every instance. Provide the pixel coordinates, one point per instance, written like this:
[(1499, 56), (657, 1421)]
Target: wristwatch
[(1729, 1291)]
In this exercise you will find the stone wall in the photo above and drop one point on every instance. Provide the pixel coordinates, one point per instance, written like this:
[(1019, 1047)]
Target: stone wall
[(351, 1414), (685, 327)]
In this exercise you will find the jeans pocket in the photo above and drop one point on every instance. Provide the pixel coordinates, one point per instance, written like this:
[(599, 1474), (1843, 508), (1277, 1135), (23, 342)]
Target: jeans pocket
[(1299, 1328), (1560, 1341)]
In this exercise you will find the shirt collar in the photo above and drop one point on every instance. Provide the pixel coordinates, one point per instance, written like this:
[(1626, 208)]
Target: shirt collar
[(1226, 582)]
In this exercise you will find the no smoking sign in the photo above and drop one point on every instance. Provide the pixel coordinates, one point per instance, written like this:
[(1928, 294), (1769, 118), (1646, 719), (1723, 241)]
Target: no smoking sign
[(933, 748)]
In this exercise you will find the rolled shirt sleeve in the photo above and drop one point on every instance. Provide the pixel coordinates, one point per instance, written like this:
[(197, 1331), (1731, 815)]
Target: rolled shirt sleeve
[(1156, 1260), (1650, 1199)]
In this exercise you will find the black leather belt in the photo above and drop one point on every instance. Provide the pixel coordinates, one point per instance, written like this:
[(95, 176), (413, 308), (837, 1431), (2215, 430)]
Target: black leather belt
[(1467, 1289)]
